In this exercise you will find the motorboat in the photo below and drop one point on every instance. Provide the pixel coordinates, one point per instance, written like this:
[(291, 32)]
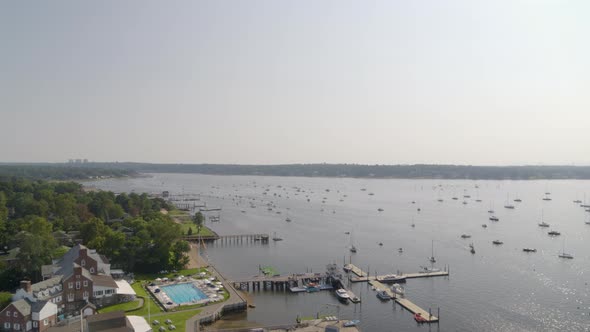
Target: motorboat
[(391, 278), (509, 206), (425, 269), (383, 295), (554, 233), (497, 242), (347, 268), (380, 209), (472, 250), (529, 250), (398, 289), (400, 250), (484, 225), (342, 294), (353, 249), (465, 236), (351, 323), (494, 218), (455, 198), (564, 255)]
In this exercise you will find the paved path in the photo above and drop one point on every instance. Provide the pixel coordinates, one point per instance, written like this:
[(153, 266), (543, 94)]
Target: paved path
[(234, 296)]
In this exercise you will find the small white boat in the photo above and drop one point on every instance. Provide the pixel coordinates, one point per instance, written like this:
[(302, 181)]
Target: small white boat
[(398, 289)]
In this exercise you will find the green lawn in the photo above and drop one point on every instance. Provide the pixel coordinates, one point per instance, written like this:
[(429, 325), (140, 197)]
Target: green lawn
[(178, 319), (121, 306)]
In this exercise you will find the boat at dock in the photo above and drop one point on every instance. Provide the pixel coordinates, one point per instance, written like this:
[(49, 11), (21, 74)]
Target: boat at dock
[(347, 268), (342, 294), (391, 278), (426, 269), (382, 294), (398, 289), (418, 318), (351, 323)]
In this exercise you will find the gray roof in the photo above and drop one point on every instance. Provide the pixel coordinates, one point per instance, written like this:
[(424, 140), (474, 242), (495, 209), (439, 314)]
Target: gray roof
[(56, 280), (65, 263), (38, 306), (22, 306), (103, 280)]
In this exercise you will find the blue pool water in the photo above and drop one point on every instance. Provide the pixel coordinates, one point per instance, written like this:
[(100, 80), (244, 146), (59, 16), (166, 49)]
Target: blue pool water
[(183, 293)]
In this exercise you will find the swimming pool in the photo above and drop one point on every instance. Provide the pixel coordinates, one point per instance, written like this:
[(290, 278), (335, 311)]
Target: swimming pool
[(183, 293)]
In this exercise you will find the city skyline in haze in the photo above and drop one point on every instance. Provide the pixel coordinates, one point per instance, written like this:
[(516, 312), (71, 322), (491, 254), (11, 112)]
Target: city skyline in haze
[(268, 82)]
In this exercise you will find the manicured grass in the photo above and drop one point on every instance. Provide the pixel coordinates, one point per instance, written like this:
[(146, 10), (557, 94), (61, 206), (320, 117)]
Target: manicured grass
[(121, 306), (153, 306), (178, 319)]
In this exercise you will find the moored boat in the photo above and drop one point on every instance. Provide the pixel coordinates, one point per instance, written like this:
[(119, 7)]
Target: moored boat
[(383, 295), (529, 250), (391, 278), (497, 242), (342, 294)]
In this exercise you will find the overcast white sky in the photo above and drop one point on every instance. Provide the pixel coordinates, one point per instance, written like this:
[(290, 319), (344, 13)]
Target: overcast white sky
[(267, 82)]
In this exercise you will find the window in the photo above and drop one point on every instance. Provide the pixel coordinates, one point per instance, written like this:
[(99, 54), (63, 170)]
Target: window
[(85, 283), (77, 285), (15, 314), (45, 322), (70, 297), (35, 323), (83, 262), (70, 285), (16, 326), (98, 293), (85, 295), (8, 313), (7, 325), (91, 270)]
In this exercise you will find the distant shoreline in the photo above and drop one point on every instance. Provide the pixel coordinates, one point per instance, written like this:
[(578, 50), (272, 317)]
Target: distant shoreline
[(421, 171)]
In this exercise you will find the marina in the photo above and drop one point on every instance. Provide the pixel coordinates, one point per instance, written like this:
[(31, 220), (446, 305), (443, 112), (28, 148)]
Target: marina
[(318, 234)]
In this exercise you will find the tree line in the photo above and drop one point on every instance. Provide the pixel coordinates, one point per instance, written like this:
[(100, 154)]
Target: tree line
[(38, 217), (60, 171)]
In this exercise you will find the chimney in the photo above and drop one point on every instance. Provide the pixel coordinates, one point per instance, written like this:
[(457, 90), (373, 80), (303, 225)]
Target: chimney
[(26, 285)]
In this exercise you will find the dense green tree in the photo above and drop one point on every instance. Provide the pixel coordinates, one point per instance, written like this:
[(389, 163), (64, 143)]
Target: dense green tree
[(36, 244), (198, 219), (179, 258), (5, 299), (3, 220)]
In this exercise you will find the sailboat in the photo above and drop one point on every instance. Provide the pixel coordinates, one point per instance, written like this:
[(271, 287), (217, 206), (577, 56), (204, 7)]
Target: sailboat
[(275, 237), (508, 205), (352, 247), (543, 223), (563, 254), (432, 259), (472, 250)]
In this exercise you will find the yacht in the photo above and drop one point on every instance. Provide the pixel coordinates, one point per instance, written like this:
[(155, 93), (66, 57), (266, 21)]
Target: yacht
[(391, 278), (431, 258), (554, 233), (472, 250), (342, 294), (465, 236), (529, 250), (494, 218), (508, 205), (353, 249), (484, 225), (276, 238), (288, 219), (425, 269), (497, 242), (543, 224)]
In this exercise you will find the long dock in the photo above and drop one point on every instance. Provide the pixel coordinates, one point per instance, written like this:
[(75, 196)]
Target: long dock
[(407, 275), (356, 270)]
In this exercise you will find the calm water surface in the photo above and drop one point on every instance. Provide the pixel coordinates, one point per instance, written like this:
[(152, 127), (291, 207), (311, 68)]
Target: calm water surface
[(499, 288)]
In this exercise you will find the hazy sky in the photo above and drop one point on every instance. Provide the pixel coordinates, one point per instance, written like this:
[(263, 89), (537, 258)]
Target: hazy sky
[(266, 82)]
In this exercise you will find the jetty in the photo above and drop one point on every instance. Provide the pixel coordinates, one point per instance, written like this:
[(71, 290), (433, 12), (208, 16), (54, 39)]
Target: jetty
[(362, 276), (236, 239), (278, 282)]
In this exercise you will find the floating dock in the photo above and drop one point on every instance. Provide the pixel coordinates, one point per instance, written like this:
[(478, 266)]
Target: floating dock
[(402, 301)]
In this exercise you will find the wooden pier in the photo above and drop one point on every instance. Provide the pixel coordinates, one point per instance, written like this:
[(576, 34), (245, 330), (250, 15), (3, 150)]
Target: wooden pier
[(279, 283), (239, 238), (356, 270), (382, 287)]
